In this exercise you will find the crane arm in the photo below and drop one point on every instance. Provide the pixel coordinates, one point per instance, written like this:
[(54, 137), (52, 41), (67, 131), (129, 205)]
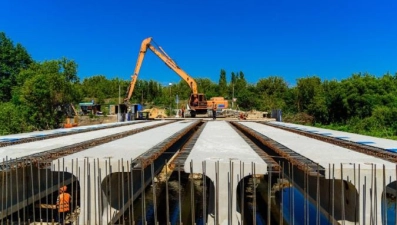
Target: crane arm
[(138, 65), (166, 59), (171, 64)]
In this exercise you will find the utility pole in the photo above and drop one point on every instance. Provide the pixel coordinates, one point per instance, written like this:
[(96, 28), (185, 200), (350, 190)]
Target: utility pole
[(170, 84), (118, 106), (232, 95)]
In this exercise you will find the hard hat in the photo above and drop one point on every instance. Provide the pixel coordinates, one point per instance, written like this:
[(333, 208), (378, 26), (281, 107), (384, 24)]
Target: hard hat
[(64, 188)]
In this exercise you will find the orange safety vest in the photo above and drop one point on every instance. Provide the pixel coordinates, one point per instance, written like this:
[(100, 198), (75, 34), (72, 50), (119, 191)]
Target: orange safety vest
[(63, 202)]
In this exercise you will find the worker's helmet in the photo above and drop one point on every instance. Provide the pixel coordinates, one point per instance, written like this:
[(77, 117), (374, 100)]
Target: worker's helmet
[(63, 189)]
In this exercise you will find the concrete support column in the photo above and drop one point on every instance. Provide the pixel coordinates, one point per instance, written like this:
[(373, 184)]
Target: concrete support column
[(225, 176), (95, 205), (371, 181)]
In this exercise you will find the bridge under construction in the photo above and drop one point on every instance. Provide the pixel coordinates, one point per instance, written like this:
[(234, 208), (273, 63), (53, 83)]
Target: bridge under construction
[(199, 171)]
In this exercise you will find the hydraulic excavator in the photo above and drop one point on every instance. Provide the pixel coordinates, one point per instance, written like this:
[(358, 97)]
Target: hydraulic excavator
[(197, 102)]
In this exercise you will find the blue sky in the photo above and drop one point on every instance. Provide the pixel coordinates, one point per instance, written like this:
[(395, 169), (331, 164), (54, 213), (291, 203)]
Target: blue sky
[(292, 39)]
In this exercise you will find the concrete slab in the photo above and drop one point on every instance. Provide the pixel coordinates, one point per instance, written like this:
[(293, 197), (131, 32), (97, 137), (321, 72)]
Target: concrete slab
[(132, 146), (26, 149), (11, 137), (96, 163), (387, 144), (223, 151), (346, 162)]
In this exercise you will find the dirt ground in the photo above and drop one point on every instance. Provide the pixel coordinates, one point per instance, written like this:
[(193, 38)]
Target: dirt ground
[(86, 120)]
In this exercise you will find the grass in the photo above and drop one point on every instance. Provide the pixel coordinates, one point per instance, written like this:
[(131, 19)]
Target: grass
[(381, 133)]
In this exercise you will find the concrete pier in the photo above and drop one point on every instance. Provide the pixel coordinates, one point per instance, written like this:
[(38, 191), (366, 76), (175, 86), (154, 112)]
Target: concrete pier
[(370, 183), (112, 159), (228, 159)]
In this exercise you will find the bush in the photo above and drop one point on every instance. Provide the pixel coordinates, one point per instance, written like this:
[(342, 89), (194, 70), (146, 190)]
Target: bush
[(13, 119)]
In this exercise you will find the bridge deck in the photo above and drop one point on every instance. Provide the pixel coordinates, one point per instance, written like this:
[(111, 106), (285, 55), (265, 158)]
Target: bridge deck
[(132, 146), (13, 137), (26, 149), (228, 159), (321, 152), (388, 145)]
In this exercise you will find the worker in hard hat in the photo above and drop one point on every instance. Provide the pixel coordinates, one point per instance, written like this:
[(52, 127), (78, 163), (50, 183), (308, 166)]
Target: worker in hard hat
[(213, 110), (63, 204)]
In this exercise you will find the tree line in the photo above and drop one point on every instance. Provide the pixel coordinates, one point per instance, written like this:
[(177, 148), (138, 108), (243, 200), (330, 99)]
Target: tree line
[(33, 93)]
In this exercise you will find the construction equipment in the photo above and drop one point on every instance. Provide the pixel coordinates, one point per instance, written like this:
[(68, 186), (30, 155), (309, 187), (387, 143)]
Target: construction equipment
[(197, 103), (220, 102), (72, 118), (153, 113)]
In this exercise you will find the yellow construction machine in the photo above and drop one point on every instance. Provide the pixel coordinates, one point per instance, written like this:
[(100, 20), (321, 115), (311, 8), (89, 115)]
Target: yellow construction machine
[(153, 113), (197, 103), (220, 102)]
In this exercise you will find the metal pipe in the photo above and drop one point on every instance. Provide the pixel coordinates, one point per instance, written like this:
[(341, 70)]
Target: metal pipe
[(154, 186), (166, 193), (204, 192)]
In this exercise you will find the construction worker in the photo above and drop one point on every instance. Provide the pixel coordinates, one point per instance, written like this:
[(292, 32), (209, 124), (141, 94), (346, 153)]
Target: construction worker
[(63, 205), (213, 110), (183, 111)]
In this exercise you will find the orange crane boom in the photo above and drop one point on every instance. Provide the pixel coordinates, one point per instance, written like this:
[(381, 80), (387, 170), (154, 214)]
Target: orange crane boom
[(197, 101)]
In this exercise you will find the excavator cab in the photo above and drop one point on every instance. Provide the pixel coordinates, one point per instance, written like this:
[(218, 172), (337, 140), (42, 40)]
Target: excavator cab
[(198, 104)]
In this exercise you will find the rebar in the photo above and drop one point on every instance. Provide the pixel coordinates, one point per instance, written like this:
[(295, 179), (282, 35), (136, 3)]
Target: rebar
[(40, 183)]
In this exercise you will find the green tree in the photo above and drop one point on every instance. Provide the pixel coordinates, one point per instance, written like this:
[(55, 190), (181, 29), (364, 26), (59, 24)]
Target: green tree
[(247, 99), (96, 87), (46, 90), (233, 78), (311, 98), (13, 59), (13, 119), (334, 95), (240, 83), (222, 84), (207, 87), (271, 93), (361, 95)]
